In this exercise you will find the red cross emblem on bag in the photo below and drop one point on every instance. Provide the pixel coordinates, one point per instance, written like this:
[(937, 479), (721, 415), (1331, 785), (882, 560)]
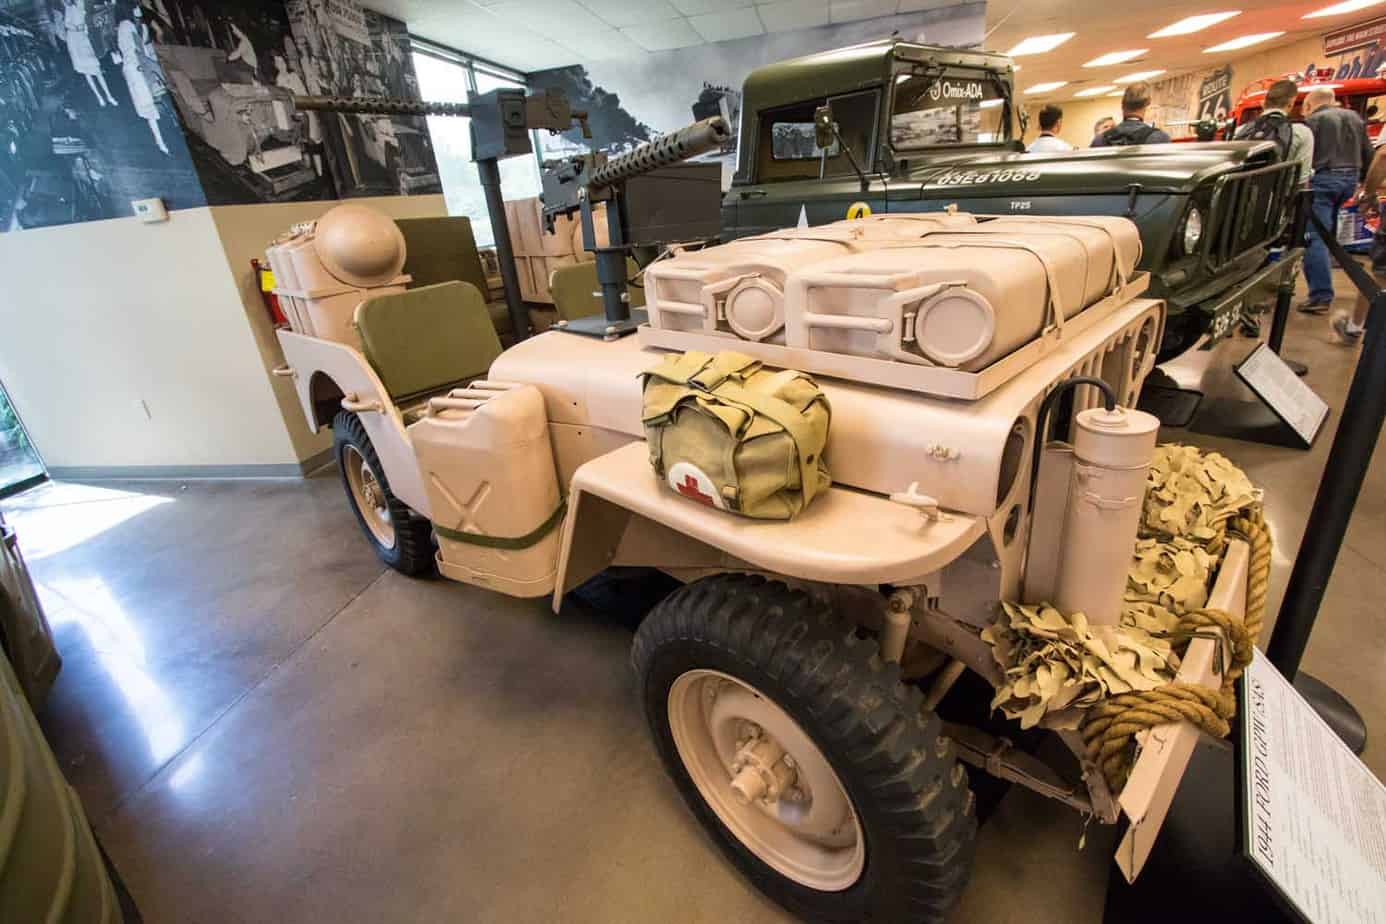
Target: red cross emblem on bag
[(693, 483)]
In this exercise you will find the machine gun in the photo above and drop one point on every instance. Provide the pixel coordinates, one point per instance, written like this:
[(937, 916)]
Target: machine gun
[(576, 184), (501, 122)]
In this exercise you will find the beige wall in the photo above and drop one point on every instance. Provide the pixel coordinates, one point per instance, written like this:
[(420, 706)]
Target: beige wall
[(106, 318), (244, 230)]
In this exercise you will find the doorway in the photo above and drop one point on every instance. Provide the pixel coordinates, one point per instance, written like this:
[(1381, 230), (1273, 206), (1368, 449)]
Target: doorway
[(20, 465)]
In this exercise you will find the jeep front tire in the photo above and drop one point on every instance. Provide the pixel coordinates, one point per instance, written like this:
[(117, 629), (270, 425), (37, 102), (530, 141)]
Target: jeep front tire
[(802, 754)]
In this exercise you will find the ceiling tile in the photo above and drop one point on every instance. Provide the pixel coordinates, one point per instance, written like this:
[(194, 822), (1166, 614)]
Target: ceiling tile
[(793, 14), (728, 24), (612, 43), (850, 10), (493, 38), (555, 19), (698, 7), (660, 36), (913, 6), (631, 12)]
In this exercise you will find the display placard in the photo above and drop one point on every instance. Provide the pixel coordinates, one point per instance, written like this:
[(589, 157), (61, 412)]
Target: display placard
[(1313, 817), (1285, 393)]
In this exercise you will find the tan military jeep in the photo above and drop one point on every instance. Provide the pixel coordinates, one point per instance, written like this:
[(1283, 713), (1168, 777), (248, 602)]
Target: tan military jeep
[(791, 684)]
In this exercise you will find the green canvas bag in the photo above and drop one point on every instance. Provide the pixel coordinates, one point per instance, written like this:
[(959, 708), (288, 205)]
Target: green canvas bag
[(727, 433)]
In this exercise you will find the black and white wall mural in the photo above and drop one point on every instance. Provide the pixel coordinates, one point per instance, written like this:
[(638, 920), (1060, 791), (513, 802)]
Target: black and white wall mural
[(633, 100), (86, 124), (343, 49), (106, 101)]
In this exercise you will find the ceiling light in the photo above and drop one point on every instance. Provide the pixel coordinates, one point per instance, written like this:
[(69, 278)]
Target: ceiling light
[(1039, 44), (1243, 42), (990, 103), (1046, 87), (1138, 75), (1193, 24), (1116, 57), (1338, 9), (1095, 91)]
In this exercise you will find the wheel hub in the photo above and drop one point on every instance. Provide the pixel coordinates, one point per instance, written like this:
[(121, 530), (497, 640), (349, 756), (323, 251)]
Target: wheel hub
[(369, 496), (766, 779)]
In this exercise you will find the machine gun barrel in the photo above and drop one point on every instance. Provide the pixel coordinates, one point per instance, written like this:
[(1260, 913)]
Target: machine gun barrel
[(379, 105), (690, 141)]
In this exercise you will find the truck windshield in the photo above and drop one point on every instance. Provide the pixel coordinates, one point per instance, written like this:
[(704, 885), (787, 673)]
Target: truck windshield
[(957, 108)]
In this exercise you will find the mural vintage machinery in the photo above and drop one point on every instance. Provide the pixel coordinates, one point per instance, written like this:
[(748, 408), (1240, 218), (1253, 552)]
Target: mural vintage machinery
[(817, 684)]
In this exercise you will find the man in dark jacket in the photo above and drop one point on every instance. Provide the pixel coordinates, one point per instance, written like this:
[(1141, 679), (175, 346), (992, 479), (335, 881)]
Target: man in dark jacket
[(1132, 129), (1342, 154)]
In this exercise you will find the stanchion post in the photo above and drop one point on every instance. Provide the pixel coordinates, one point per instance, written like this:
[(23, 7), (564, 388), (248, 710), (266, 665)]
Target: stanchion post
[(1359, 425), (1286, 293)]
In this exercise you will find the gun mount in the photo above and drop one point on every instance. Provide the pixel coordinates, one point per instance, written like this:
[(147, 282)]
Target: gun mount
[(576, 183)]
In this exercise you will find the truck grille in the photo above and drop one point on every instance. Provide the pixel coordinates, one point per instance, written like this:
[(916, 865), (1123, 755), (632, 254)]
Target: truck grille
[(1250, 209), (1122, 361)]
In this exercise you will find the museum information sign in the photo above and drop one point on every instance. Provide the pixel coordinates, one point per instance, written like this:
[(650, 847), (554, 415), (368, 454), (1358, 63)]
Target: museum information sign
[(1313, 816), (1285, 393)]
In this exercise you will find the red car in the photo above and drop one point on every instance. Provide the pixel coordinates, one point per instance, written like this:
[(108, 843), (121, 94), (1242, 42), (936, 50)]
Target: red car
[(1363, 95)]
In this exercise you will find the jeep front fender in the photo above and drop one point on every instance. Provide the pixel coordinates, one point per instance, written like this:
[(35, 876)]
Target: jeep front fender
[(618, 509)]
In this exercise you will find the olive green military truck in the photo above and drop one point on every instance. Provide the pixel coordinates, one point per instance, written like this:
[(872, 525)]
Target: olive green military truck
[(918, 128)]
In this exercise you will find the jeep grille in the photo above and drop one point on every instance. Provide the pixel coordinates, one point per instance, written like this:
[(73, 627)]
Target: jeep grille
[(1250, 209)]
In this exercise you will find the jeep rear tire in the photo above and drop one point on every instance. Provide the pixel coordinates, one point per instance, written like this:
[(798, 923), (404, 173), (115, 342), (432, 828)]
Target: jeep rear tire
[(401, 539), (809, 763)]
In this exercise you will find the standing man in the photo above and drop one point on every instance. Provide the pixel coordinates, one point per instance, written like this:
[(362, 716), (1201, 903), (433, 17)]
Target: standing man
[(1133, 128), (1051, 120), (1102, 124), (1349, 327), (1342, 154), (1294, 139)]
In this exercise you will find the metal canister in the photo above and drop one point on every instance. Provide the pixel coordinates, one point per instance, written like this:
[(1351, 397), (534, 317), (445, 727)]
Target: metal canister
[(1112, 451)]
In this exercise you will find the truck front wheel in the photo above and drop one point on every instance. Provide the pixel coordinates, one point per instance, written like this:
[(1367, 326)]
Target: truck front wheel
[(400, 539), (808, 762)]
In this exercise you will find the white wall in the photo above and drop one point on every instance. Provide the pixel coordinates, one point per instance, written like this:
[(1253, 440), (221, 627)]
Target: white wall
[(101, 316)]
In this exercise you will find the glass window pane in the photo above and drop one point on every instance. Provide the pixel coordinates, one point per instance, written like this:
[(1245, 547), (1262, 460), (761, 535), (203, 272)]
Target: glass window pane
[(18, 460), (444, 81)]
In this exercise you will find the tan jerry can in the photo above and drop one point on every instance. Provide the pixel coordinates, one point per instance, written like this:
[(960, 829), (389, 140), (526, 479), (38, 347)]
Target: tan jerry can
[(737, 288), (487, 465), (960, 300), (1112, 245)]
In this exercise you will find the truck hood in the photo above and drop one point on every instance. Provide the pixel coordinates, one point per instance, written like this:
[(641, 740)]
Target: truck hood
[(1156, 168)]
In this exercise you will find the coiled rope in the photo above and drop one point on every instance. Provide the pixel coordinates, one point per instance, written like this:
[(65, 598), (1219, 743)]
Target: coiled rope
[(1110, 727)]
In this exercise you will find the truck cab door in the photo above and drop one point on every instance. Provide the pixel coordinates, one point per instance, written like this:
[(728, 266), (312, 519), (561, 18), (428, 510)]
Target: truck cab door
[(790, 176)]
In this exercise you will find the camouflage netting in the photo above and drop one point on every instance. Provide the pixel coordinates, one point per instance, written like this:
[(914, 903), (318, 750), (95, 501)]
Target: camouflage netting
[(1056, 666), (1175, 574), (1192, 494)]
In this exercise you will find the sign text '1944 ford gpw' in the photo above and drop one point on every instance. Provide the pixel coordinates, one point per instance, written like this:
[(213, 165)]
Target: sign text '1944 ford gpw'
[(920, 128), (893, 464)]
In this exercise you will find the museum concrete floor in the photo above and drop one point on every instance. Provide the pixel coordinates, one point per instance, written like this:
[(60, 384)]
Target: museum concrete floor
[(266, 725)]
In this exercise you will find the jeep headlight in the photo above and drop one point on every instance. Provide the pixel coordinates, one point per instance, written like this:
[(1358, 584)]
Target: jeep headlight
[(1193, 230)]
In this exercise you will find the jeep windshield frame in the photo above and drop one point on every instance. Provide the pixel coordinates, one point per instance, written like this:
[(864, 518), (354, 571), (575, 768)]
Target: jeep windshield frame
[(952, 86)]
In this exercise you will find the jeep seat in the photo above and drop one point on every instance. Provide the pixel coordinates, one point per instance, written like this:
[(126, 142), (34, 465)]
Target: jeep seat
[(424, 341), (576, 292)]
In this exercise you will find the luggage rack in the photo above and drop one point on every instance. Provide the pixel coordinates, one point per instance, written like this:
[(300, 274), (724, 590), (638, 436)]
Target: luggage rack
[(938, 381)]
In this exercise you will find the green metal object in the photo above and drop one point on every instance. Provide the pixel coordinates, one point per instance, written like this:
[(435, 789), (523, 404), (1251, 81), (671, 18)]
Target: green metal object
[(921, 128), (50, 867)]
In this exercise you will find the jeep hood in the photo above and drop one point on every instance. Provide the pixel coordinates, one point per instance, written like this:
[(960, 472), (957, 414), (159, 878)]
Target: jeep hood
[(1156, 168)]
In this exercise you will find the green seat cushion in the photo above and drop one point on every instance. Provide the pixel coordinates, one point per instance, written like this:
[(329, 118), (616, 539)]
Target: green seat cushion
[(572, 288), (440, 249), (423, 339)]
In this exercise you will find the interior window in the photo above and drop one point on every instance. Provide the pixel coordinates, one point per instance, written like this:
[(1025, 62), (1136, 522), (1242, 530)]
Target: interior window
[(787, 148), (953, 109)]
